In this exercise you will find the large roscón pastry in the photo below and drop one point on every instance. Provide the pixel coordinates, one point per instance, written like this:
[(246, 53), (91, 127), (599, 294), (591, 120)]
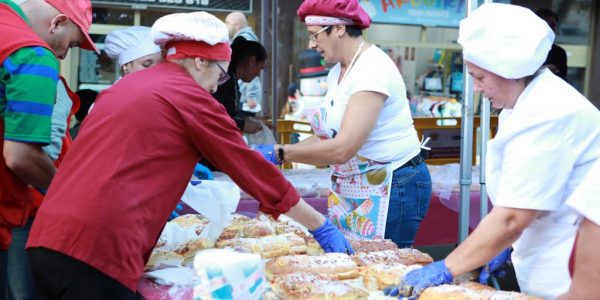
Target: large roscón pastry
[(288, 227), (471, 291), (338, 265), (189, 249), (380, 276), (268, 246), (405, 256), (309, 286), (160, 259), (372, 245), (192, 220), (251, 228)]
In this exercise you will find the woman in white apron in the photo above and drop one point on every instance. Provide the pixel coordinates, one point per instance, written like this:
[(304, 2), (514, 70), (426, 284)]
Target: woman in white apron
[(548, 137), (380, 185)]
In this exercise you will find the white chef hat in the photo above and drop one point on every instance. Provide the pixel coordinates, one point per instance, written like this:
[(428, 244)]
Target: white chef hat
[(508, 40), (129, 44), (196, 34)]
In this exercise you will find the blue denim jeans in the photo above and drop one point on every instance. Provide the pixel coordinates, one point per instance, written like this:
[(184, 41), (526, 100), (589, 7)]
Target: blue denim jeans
[(20, 280), (409, 202)]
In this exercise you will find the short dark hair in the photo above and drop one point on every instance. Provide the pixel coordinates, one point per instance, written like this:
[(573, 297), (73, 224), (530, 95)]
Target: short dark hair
[(86, 98), (242, 48), (544, 13), (352, 30)]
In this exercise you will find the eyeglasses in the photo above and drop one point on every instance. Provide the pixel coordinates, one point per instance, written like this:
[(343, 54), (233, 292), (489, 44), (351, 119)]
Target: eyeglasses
[(313, 37), (224, 76)]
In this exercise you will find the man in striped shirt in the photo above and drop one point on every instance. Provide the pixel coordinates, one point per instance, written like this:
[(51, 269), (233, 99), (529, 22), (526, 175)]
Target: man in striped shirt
[(33, 36)]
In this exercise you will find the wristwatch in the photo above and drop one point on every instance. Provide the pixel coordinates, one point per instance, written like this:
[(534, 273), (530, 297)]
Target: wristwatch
[(280, 153)]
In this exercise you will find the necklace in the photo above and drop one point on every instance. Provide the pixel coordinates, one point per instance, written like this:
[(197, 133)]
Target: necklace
[(349, 68)]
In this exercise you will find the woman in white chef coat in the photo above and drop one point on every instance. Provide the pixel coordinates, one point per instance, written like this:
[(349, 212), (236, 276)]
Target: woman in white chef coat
[(548, 137)]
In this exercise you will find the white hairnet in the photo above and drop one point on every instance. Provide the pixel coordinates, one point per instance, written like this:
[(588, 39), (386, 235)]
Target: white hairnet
[(507, 40)]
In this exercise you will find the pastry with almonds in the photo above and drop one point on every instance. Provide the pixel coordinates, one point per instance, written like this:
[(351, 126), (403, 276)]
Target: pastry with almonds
[(338, 265), (372, 245), (404, 256), (251, 228), (189, 249), (380, 276), (160, 259), (196, 221), (310, 286), (267, 246), (471, 291)]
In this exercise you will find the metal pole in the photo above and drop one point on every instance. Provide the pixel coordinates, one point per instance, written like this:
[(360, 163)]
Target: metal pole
[(264, 19), (484, 126), (466, 149), (274, 65), (264, 34)]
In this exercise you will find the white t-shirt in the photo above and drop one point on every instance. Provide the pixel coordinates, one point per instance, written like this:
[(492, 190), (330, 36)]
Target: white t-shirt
[(585, 198), (394, 137)]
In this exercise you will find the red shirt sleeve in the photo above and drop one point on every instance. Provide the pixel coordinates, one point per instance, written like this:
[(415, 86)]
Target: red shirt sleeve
[(218, 139)]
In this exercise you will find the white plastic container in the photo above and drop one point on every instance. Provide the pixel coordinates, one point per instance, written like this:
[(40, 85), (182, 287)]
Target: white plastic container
[(226, 274)]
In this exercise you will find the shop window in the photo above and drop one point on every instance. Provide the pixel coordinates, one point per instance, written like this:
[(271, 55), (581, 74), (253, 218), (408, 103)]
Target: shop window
[(96, 72), (576, 77), (112, 16), (148, 17)]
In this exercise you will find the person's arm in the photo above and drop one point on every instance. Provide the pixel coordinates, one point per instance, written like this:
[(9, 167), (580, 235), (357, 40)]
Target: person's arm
[(496, 231), (310, 140), (29, 163), (306, 215), (587, 263), (253, 93), (216, 138), (359, 120), (31, 88)]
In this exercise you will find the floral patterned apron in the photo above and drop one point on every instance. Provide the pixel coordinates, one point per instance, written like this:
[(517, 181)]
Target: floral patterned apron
[(359, 192)]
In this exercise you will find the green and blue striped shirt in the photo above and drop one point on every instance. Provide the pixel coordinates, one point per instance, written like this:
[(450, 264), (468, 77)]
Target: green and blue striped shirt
[(28, 79)]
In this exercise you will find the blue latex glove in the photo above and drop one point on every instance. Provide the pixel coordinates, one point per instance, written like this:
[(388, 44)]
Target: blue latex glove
[(416, 281), (268, 152), (495, 266), (175, 213), (331, 239), (203, 172)]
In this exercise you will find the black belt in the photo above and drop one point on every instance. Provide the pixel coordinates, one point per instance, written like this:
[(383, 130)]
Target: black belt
[(413, 162)]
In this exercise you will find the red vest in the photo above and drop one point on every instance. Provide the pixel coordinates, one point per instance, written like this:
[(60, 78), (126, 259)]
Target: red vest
[(15, 198), (66, 144)]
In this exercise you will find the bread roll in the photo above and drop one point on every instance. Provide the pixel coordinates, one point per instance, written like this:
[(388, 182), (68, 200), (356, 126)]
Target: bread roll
[(160, 259), (310, 286), (337, 264)]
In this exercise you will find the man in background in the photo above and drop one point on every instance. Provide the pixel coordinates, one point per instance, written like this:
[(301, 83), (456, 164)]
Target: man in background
[(34, 34)]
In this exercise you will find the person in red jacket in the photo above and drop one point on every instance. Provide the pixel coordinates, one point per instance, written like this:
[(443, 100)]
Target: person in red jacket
[(34, 35), (133, 159)]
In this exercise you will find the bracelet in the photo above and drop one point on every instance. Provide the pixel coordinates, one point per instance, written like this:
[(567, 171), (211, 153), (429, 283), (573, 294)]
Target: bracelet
[(280, 153)]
